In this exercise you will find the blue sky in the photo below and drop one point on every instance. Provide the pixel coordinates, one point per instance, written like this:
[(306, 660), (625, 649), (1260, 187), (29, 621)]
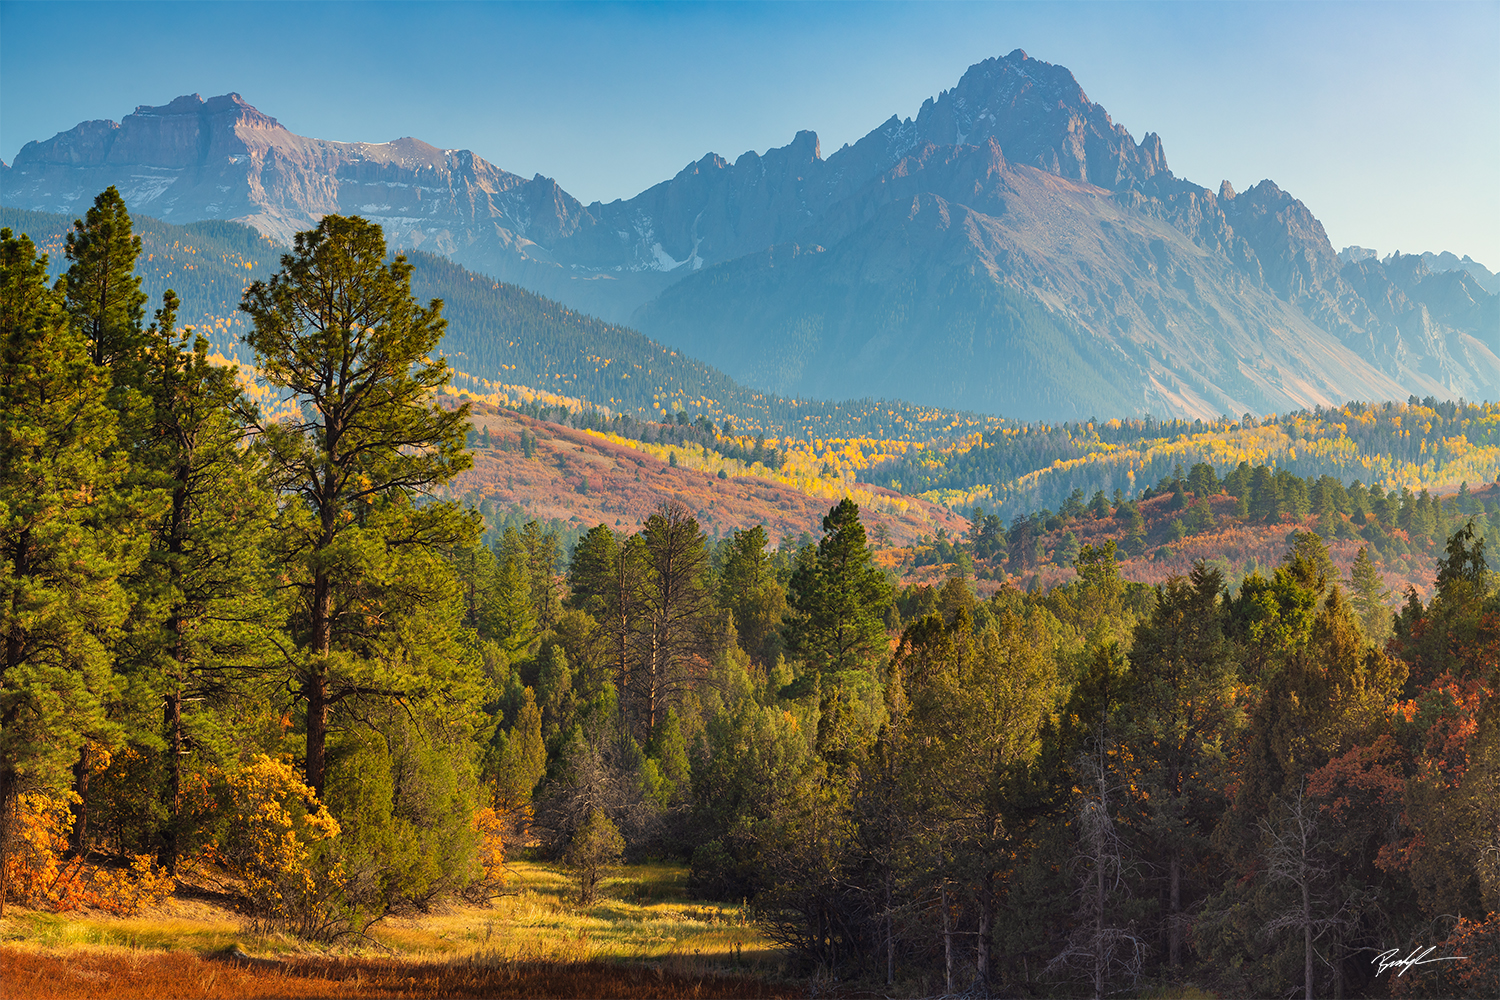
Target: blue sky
[(1383, 117)]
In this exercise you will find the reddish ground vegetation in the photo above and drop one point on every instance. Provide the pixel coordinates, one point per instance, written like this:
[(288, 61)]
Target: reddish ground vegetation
[(625, 486), (75, 975)]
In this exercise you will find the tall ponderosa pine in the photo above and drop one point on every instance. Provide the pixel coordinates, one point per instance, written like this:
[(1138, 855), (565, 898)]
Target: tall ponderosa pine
[(104, 301), (59, 563), (1182, 715), (339, 329), (675, 615)]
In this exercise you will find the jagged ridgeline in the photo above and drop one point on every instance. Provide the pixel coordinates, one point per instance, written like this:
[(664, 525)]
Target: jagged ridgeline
[(503, 341)]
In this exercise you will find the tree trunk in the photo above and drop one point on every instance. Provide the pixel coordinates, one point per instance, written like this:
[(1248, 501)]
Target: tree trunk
[(890, 940), (315, 687), (1174, 925), (653, 675), (317, 729), (947, 941), (78, 836), (8, 790), (1307, 936), (986, 916), (7, 823), (1100, 953), (172, 722)]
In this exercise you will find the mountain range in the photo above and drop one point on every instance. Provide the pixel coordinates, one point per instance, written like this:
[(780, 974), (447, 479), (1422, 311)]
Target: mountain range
[(1010, 249)]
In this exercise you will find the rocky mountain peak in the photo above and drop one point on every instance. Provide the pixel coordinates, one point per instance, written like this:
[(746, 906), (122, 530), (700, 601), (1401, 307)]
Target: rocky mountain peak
[(1041, 117), (181, 133)]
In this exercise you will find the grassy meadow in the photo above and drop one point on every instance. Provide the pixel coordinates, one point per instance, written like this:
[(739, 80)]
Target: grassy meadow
[(646, 936)]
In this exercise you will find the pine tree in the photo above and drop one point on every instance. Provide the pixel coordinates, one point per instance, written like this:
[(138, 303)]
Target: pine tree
[(596, 848), (1369, 595), (675, 615), (104, 295), (338, 328), (748, 588), (839, 600), (1181, 713), (590, 569), (202, 609), (59, 562)]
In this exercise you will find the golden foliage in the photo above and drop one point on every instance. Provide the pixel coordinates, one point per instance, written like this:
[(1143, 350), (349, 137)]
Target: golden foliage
[(275, 847), (37, 875)]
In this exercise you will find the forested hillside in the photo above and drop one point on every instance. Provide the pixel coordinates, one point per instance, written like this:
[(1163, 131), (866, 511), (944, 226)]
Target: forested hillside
[(505, 343), (515, 349), (208, 264), (569, 480), (1017, 469), (295, 667)]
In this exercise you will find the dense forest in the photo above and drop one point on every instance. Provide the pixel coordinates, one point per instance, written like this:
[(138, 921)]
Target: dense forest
[(262, 649)]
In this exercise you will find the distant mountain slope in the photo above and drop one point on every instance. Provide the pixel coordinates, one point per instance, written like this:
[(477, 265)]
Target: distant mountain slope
[(1038, 296), (501, 335), (511, 336), (208, 264)]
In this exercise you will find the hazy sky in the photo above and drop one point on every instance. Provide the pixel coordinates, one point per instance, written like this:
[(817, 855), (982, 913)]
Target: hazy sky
[(1383, 117)]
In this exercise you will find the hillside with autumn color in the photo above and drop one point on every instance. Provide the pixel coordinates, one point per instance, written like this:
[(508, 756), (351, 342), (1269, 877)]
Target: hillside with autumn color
[(527, 469)]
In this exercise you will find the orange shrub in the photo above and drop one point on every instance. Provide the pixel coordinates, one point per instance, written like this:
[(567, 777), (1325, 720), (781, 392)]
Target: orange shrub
[(36, 874)]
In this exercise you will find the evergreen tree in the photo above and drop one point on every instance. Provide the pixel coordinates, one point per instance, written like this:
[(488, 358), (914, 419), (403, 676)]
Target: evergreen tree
[(749, 590), (1099, 505), (103, 299), (590, 570), (1265, 500), (104, 295), (839, 599), (338, 328), (202, 609), (675, 615), (59, 559), (595, 849), (1181, 714), (1368, 594)]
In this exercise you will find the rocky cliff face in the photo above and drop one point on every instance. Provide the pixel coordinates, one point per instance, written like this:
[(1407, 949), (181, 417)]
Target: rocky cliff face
[(1021, 292), (222, 159), (1012, 193)]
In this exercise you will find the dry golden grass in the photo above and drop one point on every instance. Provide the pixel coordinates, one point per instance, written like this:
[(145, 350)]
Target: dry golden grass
[(644, 914), (126, 974), (645, 937)]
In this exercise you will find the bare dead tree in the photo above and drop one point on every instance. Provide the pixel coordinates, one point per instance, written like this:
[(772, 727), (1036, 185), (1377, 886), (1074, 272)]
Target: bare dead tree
[(1098, 948), (1293, 857)]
